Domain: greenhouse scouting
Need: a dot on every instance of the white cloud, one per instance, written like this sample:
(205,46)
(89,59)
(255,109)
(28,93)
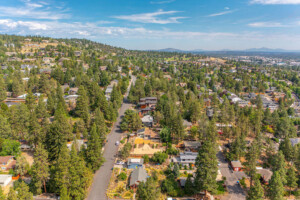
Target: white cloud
(151,17)
(282,2)
(162,2)
(221,13)
(266,25)
(226,8)
(30,10)
(10,24)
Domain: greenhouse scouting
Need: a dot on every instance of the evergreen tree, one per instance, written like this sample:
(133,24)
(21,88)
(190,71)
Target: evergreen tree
(256,191)
(23,191)
(34,130)
(12,195)
(148,190)
(40,169)
(94,150)
(2,89)
(51,103)
(100,123)
(64,193)
(56,137)
(30,101)
(41,109)
(2,196)
(5,129)
(60,177)
(207,167)
(21,166)
(189,186)
(291,178)
(252,156)
(82,105)
(176,170)
(178,128)
(60,98)
(287,149)
(17,87)
(276,188)
(80,176)
(279,165)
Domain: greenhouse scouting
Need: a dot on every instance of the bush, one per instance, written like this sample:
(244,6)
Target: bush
(159,157)
(122,176)
(242,182)
(126,150)
(146,158)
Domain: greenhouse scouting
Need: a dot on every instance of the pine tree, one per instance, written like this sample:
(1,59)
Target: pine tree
(100,123)
(178,128)
(23,192)
(148,190)
(5,129)
(276,188)
(21,166)
(252,156)
(60,98)
(40,169)
(56,137)
(17,87)
(60,175)
(51,103)
(189,186)
(30,101)
(279,166)
(291,178)
(176,170)
(80,176)
(64,193)
(2,196)
(82,105)
(287,149)
(256,191)
(94,150)
(41,109)
(44,86)
(207,167)
(34,130)
(12,195)
(2,89)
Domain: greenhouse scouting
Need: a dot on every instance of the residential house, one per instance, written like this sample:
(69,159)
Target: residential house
(137,176)
(79,143)
(77,53)
(265,174)
(236,165)
(5,179)
(187,124)
(73,91)
(295,141)
(191,145)
(148,134)
(133,163)
(7,163)
(185,158)
(108,92)
(147,120)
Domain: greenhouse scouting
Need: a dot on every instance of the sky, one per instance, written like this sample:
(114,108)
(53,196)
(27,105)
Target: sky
(158,24)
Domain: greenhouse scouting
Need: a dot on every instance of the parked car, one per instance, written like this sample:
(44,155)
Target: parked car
(117,143)
(119,162)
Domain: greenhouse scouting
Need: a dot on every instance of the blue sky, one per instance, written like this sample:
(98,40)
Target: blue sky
(156,24)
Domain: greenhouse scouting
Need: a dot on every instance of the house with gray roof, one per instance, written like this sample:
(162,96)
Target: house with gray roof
(137,176)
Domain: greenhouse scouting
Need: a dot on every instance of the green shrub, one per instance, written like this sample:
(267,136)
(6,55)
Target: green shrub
(122,176)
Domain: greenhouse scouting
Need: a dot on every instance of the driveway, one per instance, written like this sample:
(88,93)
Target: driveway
(234,189)
(102,176)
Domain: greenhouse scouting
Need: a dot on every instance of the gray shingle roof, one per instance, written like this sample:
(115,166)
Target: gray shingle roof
(138,175)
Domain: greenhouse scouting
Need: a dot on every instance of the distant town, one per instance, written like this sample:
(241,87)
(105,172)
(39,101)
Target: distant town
(83,120)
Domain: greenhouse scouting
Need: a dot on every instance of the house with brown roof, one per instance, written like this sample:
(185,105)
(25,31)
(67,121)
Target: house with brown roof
(236,165)
(7,163)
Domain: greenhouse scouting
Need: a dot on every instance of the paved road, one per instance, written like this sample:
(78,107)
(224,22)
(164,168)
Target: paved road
(102,176)
(234,189)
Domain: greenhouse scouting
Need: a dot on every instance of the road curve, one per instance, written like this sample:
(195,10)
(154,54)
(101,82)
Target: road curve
(102,176)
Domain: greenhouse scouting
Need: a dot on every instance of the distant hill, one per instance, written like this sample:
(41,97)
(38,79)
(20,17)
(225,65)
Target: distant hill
(263,49)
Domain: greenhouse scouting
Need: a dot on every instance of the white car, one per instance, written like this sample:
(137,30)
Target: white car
(117,143)
(120,162)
